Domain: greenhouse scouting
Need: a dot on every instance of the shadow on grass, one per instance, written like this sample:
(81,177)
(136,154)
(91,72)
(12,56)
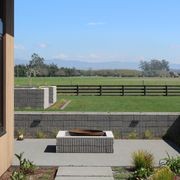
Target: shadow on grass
(50,149)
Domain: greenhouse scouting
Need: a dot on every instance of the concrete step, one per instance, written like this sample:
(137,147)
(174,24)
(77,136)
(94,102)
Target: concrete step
(84,178)
(84,173)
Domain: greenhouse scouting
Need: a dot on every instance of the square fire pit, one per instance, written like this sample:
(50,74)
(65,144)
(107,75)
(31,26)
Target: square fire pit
(66,143)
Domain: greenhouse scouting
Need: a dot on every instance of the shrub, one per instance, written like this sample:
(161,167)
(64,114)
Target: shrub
(132,135)
(163,173)
(172,162)
(26,166)
(17,175)
(54,133)
(117,134)
(148,134)
(143,159)
(141,173)
(40,135)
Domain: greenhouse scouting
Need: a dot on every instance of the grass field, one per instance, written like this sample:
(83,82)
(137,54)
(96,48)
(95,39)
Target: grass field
(39,81)
(120,104)
(110,103)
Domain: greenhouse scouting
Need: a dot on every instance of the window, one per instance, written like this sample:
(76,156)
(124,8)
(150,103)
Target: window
(1,70)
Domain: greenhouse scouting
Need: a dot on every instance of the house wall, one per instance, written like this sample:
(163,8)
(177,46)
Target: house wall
(6,140)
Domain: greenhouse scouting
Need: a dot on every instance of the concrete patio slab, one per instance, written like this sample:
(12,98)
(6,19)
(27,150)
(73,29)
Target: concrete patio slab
(42,152)
(88,173)
(85,171)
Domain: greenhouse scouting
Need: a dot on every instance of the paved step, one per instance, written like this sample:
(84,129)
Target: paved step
(84,173)
(84,178)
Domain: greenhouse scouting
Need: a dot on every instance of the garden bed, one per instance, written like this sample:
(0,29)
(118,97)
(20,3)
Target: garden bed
(41,173)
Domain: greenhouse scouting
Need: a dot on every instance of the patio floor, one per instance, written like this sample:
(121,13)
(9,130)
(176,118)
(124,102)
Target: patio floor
(42,153)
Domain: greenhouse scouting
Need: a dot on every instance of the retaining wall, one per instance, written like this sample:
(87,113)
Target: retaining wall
(52,93)
(41,97)
(31,97)
(123,123)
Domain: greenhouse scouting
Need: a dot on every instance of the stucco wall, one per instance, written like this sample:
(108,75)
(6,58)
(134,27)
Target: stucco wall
(7,140)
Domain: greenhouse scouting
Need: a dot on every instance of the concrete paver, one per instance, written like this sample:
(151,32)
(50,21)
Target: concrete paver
(84,178)
(88,173)
(85,171)
(34,149)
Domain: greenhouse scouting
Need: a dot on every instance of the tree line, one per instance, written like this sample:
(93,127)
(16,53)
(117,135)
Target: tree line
(155,68)
(37,67)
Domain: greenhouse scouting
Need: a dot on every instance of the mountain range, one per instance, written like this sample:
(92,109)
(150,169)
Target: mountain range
(96,65)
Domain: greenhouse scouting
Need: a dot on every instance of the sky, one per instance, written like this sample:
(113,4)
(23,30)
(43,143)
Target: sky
(98,30)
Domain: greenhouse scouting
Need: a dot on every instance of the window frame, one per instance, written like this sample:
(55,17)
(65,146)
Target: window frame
(2,124)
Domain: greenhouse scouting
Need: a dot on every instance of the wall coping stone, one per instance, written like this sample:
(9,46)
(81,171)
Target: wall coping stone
(97,113)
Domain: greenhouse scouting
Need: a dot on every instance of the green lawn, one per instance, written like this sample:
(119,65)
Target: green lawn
(94,80)
(120,104)
(109,103)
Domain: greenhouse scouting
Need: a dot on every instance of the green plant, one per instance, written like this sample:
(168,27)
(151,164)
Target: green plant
(117,134)
(132,135)
(163,173)
(143,159)
(141,173)
(40,135)
(17,175)
(121,173)
(26,166)
(172,162)
(54,133)
(20,134)
(148,134)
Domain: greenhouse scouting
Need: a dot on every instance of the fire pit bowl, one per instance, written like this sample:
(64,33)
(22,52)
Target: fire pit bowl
(86,132)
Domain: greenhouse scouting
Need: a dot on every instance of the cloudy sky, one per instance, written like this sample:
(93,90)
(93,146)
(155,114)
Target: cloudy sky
(98,30)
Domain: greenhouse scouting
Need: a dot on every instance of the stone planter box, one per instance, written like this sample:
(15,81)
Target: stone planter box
(65,143)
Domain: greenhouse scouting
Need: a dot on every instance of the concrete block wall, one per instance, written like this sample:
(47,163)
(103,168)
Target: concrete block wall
(31,97)
(52,93)
(42,97)
(124,123)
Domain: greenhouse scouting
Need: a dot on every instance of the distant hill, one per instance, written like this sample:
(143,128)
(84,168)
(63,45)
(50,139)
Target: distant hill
(175,66)
(89,65)
(176,70)
(95,65)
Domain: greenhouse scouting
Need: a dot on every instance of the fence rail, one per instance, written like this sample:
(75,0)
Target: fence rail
(119,90)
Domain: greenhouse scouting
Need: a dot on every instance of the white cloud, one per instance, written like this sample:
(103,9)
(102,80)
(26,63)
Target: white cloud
(19,47)
(61,56)
(43,45)
(94,56)
(95,23)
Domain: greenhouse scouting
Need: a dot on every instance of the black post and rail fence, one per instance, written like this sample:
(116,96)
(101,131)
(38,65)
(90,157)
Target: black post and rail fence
(119,90)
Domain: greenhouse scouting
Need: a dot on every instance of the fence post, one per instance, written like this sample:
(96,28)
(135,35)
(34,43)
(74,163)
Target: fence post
(77,90)
(166,87)
(144,90)
(122,90)
(100,89)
